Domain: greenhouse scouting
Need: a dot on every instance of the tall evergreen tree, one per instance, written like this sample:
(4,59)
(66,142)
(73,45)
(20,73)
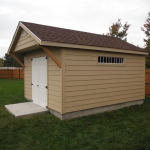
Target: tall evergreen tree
(118,30)
(9,61)
(146,30)
(1,62)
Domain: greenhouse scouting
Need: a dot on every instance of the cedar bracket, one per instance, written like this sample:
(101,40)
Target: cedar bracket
(15,57)
(47,51)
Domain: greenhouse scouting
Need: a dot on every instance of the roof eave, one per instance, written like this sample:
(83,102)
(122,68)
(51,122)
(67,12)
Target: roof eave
(47,43)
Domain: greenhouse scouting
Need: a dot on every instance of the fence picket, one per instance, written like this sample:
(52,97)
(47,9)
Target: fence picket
(12,73)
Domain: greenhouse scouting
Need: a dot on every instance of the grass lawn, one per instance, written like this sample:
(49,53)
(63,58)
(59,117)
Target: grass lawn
(125,129)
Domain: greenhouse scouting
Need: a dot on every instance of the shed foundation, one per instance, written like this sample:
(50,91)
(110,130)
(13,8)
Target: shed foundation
(94,110)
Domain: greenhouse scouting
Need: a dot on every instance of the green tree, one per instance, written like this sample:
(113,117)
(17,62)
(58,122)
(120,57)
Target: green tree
(118,30)
(146,30)
(1,62)
(9,61)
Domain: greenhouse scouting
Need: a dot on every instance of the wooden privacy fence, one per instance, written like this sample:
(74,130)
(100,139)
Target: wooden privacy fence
(12,73)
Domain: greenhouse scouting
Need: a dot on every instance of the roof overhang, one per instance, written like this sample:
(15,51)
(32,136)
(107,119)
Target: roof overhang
(47,43)
(56,44)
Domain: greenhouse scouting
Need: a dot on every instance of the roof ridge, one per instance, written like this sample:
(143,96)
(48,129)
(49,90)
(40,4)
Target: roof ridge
(69,29)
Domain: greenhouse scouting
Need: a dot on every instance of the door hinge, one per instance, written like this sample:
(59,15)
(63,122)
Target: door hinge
(46,57)
(31,83)
(46,87)
(31,59)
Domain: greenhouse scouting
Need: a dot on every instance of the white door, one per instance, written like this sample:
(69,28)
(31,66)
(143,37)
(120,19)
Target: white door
(35,82)
(42,81)
(39,81)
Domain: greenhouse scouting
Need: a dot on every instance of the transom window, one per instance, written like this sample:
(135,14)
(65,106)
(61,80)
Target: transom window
(110,60)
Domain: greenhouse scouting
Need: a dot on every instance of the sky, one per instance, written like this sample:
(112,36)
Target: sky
(95,16)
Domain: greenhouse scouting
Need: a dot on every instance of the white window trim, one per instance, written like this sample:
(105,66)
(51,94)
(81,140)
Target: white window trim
(108,60)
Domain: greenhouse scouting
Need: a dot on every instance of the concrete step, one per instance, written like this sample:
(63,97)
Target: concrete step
(25,109)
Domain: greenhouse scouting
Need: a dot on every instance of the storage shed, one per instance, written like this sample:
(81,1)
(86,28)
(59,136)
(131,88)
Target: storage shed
(75,73)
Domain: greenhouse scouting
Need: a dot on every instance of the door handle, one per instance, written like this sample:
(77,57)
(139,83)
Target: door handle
(37,85)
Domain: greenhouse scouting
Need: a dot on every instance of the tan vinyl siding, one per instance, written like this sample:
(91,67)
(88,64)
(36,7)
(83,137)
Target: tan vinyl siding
(55,83)
(54,78)
(27,77)
(24,41)
(89,84)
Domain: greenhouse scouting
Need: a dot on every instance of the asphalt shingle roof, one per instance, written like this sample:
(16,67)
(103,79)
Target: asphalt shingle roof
(55,34)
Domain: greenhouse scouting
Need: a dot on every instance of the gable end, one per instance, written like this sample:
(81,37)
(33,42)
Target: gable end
(24,41)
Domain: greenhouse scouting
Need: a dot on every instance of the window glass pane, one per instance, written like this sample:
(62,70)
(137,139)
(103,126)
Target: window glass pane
(112,59)
(118,60)
(102,59)
(105,60)
(115,60)
(99,59)
(122,60)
